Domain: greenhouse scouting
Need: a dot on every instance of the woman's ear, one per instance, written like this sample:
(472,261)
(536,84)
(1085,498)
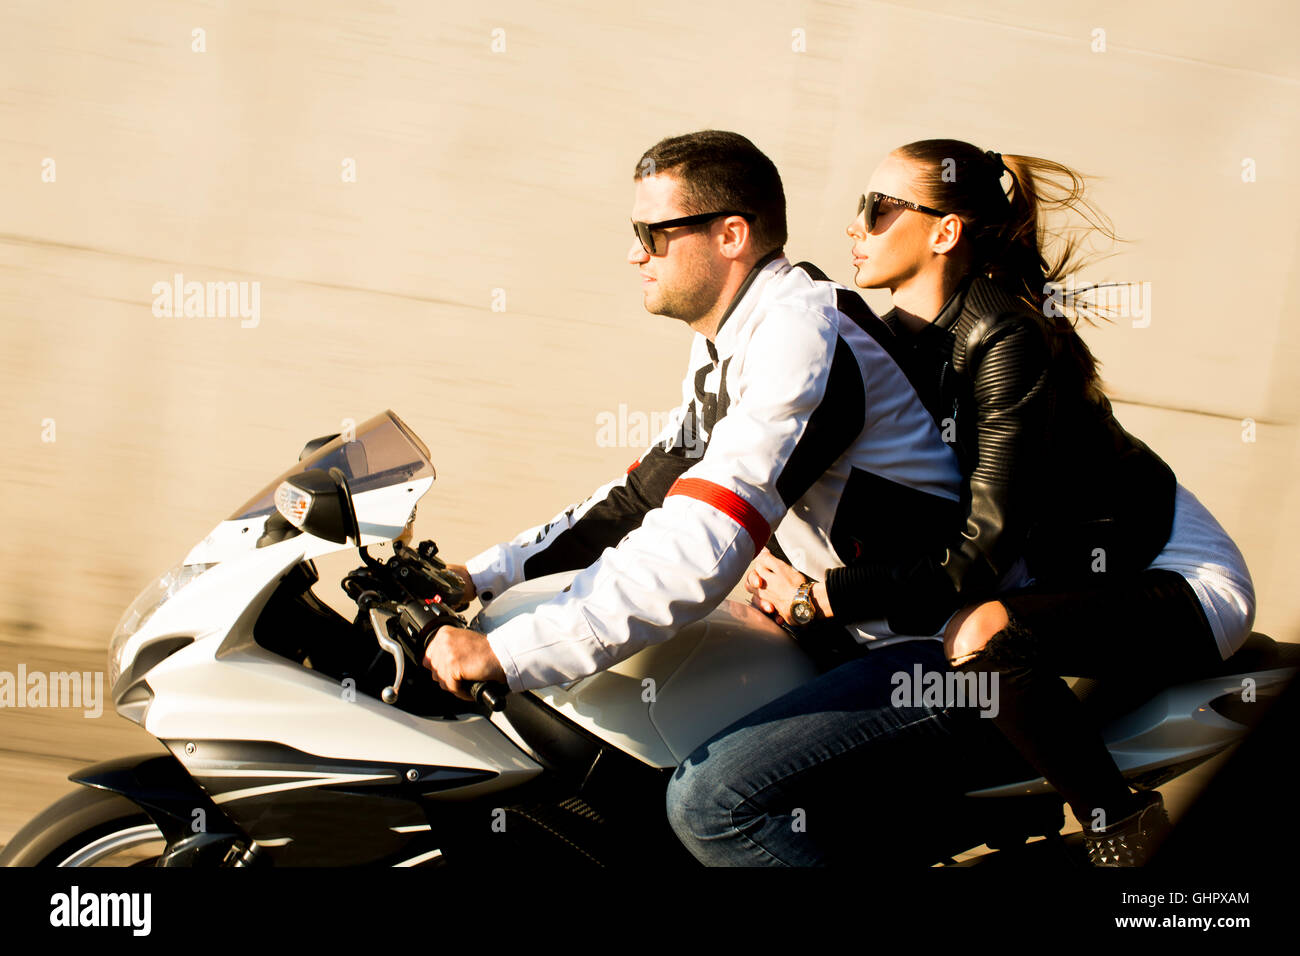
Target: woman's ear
(947,232)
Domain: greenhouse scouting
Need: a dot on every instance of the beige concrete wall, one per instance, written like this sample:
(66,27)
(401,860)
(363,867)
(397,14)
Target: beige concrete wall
(480,170)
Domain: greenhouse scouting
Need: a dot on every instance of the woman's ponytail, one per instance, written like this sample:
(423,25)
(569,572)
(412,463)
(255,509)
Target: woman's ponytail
(1003,202)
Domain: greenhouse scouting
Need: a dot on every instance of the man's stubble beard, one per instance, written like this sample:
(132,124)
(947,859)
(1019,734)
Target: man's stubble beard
(693,295)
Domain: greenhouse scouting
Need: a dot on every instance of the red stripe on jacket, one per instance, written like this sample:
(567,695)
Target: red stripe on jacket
(729,503)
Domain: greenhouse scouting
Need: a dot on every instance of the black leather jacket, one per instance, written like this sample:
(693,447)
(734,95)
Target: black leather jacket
(1052,477)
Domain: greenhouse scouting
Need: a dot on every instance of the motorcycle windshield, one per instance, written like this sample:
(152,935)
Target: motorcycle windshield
(383,452)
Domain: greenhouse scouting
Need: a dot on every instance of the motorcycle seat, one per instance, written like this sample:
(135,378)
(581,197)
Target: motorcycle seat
(1108,699)
(1259,653)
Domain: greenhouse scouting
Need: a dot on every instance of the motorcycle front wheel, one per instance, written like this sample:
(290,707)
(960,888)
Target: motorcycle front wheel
(88,827)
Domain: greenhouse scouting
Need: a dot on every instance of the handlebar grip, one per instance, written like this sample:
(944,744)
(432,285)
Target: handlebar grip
(490,694)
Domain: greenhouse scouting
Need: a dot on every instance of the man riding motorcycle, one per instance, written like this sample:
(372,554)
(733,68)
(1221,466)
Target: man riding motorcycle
(795,422)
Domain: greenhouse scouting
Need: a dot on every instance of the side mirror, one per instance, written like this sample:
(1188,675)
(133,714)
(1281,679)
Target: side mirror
(315,443)
(320,503)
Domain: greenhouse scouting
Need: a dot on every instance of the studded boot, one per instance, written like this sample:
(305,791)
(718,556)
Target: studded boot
(1131,840)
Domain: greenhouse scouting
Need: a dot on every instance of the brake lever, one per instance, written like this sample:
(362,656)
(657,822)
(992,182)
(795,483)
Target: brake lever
(379,619)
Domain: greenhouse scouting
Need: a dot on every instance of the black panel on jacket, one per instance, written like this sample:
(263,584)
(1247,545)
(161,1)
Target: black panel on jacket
(882,520)
(832,428)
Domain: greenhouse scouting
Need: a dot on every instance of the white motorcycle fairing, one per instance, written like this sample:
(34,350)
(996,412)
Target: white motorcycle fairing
(662,702)
(221,685)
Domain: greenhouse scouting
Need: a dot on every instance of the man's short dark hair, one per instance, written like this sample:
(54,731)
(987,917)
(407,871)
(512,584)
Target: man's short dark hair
(721,170)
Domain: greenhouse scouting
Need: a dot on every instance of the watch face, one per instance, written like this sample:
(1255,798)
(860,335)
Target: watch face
(801,611)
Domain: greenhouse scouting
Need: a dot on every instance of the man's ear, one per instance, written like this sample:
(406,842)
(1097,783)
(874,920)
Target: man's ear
(737,237)
(947,231)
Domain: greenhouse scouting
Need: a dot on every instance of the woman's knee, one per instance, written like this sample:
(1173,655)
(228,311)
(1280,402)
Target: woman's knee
(971,628)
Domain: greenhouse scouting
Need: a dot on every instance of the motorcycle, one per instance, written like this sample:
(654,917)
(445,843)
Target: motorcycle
(298,737)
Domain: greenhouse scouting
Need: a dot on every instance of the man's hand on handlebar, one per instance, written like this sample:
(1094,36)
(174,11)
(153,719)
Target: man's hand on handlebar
(460,572)
(459,658)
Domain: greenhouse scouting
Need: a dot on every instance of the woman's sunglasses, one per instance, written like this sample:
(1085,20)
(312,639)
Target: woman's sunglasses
(645,230)
(871,203)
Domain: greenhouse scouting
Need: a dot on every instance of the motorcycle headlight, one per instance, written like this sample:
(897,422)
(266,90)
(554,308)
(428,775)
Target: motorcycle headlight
(146,603)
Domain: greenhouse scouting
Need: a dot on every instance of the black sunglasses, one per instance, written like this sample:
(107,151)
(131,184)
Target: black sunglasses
(871,203)
(645,230)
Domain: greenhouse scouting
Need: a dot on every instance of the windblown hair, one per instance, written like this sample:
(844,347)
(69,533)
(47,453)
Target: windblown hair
(1010,242)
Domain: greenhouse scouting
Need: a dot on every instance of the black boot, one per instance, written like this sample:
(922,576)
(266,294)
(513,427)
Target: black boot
(1132,840)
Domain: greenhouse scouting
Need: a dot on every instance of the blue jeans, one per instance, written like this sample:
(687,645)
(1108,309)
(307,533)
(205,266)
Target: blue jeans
(833,772)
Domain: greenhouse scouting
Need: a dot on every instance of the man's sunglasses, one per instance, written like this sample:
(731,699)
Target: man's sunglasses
(871,203)
(645,230)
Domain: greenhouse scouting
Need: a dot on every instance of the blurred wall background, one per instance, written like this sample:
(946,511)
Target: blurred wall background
(492,148)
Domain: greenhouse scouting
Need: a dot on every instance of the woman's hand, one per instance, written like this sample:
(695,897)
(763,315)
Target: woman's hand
(470,592)
(771,584)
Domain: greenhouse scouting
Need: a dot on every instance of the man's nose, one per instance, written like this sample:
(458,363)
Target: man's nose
(637,254)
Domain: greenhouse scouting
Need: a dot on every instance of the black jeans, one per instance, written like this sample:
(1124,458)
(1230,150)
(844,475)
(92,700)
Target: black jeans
(1144,631)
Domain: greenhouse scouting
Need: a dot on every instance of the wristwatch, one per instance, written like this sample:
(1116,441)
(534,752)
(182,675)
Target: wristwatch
(802,609)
